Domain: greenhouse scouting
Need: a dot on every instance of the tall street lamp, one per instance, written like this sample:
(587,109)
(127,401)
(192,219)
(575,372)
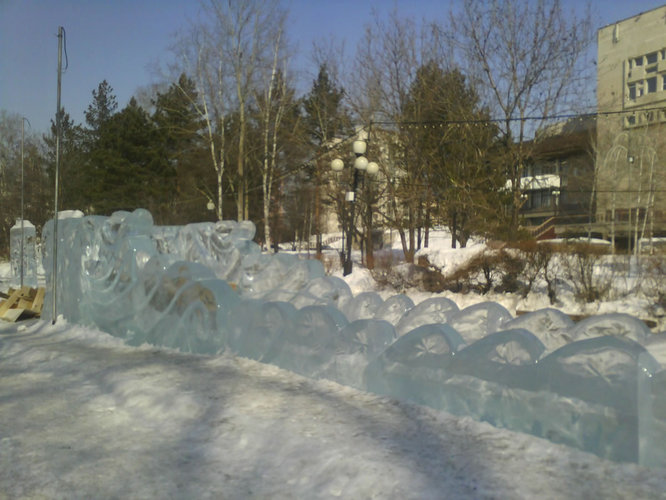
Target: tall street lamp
(361,166)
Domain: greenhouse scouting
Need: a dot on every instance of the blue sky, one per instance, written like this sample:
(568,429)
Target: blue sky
(121,40)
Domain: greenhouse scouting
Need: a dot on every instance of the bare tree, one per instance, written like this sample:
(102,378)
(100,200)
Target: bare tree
(527,54)
(196,55)
(246,32)
(224,51)
(21,150)
(272,105)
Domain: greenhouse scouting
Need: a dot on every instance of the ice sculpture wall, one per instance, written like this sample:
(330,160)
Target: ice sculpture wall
(207,288)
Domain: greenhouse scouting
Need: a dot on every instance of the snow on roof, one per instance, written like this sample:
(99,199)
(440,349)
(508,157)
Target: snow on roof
(537,182)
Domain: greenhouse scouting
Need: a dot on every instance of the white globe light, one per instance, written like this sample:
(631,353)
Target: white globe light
(210,206)
(361,163)
(359,147)
(337,165)
(372,168)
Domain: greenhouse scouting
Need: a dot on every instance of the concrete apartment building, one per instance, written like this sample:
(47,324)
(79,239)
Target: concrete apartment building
(631,128)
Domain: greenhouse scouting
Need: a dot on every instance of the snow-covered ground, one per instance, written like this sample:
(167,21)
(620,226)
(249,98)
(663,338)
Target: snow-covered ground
(82,415)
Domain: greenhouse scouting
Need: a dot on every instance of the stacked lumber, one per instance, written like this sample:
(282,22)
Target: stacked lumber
(22,303)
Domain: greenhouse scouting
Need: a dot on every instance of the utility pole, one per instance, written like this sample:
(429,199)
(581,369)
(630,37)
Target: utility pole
(54,289)
(22,214)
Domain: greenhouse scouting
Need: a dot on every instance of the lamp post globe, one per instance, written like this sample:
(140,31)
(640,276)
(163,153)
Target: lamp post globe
(337,165)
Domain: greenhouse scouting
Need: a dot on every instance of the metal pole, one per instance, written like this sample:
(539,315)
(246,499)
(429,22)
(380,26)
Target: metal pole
(22,215)
(54,288)
(352,196)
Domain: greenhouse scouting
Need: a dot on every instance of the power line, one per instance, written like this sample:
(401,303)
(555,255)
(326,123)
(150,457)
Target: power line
(481,121)
(564,116)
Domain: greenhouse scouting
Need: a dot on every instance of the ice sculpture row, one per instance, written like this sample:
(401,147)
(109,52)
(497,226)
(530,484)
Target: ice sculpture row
(207,288)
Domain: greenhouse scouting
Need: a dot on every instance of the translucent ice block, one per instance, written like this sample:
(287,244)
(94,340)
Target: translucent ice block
(430,311)
(550,325)
(614,324)
(394,308)
(477,321)
(362,306)
(23,253)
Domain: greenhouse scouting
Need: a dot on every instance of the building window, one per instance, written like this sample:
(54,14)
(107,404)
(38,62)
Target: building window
(652,85)
(648,80)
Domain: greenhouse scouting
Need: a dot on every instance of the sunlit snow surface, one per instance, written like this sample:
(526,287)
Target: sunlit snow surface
(206,288)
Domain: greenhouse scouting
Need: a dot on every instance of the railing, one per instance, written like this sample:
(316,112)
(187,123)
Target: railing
(542,229)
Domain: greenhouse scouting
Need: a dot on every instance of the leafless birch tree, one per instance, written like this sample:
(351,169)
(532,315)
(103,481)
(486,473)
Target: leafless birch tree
(247,31)
(272,105)
(196,55)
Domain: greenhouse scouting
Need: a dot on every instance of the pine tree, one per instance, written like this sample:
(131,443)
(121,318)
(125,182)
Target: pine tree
(132,171)
(72,182)
(325,119)
(447,152)
(179,128)
(102,108)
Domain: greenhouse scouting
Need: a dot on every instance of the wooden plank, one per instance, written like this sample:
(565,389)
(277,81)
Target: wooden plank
(24,303)
(12,314)
(29,293)
(38,303)
(11,301)
(16,314)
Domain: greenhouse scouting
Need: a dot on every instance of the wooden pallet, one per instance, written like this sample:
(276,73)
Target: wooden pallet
(22,303)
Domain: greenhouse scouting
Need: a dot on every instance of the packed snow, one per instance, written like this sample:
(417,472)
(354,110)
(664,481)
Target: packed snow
(82,415)
(85,415)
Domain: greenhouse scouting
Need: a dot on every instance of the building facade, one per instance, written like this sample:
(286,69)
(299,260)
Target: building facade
(631,128)
(558,180)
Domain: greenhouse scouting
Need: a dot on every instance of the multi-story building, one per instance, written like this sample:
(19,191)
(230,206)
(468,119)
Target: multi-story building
(631,128)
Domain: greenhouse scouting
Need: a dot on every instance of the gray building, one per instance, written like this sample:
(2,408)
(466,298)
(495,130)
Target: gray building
(631,128)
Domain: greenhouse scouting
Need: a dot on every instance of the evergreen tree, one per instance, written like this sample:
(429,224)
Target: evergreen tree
(447,143)
(102,108)
(73,182)
(325,116)
(98,115)
(325,119)
(132,171)
(179,128)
